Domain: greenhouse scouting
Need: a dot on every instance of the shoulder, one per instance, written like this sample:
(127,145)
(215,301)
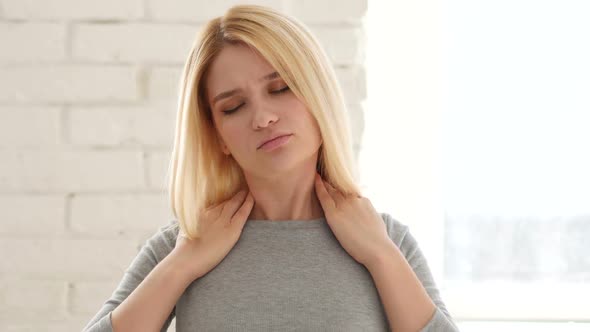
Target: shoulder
(399,233)
(161,243)
(395,228)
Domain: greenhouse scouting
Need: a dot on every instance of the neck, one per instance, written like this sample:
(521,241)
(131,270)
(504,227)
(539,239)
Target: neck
(288,198)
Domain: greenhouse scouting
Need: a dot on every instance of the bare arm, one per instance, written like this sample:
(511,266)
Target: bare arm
(405,300)
(155,251)
(406,286)
(150,304)
(166,265)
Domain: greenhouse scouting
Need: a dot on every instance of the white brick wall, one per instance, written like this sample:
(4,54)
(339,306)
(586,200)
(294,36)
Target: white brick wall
(87,105)
(68,83)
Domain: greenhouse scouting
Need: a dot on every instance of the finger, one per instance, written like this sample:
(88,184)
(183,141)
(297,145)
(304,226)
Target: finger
(337,194)
(219,206)
(232,205)
(240,217)
(323,195)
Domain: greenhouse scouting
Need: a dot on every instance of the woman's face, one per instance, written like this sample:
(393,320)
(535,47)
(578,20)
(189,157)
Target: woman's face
(250,103)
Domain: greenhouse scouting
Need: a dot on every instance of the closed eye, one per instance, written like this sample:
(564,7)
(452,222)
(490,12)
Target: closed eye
(230,111)
(281,90)
(275,92)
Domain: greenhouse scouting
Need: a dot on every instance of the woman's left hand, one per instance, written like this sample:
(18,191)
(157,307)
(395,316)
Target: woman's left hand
(354,221)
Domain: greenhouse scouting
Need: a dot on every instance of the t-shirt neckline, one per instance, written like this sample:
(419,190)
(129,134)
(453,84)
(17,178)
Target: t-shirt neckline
(317,222)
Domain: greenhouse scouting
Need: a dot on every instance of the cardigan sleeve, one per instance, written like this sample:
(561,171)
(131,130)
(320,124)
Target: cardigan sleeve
(441,320)
(151,253)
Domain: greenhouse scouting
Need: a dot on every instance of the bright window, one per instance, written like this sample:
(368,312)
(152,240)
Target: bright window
(477,136)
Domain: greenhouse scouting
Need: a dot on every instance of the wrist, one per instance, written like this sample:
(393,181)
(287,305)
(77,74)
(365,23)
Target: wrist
(388,252)
(181,266)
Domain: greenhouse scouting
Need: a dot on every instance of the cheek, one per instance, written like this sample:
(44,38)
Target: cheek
(233,134)
(302,115)
(310,124)
(297,109)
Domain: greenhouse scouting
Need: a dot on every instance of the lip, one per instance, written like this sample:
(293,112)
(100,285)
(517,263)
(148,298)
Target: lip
(276,143)
(270,139)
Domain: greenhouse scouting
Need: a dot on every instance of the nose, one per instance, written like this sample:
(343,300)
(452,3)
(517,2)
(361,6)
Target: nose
(263,116)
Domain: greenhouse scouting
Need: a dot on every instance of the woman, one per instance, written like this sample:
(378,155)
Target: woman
(272,231)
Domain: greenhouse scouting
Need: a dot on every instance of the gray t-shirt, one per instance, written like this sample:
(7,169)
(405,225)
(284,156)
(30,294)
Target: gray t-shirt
(281,275)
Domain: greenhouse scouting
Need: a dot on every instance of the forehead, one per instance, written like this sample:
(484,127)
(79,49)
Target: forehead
(233,66)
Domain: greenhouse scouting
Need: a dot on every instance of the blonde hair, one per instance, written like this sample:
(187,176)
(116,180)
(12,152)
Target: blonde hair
(199,174)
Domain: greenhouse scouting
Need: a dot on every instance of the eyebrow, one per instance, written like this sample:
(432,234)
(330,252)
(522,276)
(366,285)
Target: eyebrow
(229,93)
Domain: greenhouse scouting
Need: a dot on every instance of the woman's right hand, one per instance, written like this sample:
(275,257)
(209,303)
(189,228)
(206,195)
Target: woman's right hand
(221,227)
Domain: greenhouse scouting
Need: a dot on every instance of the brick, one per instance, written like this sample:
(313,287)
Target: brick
(65,171)
(164,83)
(46,324)
(22,127)
(357,123)
(196,11)
(78,322)
(328,11)
(66,258)
(135,42)
(68,83)
(33,296)
(25,42)
(26,321)
(157,167)
(72,9)
(120,126)
(47,217)
(87,297)
(352,82)
(343,45)
(122,214)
